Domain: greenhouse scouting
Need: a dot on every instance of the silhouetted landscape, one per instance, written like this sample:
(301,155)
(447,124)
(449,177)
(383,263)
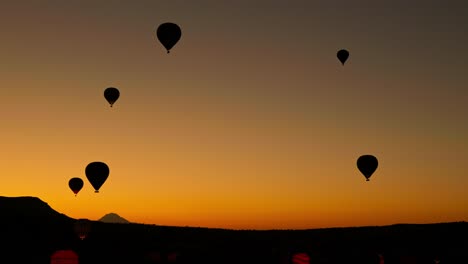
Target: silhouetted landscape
(34,231)
(276,132)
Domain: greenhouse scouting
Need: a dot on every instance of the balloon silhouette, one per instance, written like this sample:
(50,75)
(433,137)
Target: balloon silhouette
(342,56)
(75,184)
(168,34)
(82,228)
(111,94)
(97,173)
(367,164)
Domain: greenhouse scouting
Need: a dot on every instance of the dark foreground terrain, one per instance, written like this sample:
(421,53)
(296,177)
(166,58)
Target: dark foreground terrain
(32,232)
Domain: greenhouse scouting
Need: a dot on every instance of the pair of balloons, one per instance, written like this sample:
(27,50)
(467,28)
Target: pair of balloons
(168,34)
(96,172)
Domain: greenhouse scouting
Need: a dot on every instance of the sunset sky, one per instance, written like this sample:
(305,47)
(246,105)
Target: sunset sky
(251,122)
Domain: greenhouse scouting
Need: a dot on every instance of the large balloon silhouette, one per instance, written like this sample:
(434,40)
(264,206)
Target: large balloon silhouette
(75,184)
(367,164)
(342,56)
(168,34)
(111,94)
(97,173)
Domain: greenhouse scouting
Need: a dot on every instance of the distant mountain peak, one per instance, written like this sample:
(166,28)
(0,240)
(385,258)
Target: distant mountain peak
(113,218)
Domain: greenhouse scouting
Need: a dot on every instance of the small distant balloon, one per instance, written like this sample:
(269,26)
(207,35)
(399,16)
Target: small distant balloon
(75,184)
(342,56)
(367,164)
(111,94)
(82,228)
(97,173)
(168,34)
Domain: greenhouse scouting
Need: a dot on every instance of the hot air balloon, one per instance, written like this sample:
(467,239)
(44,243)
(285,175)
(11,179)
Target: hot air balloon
(97,173)
(300,258)
(342,56)
(172,257)
(408,259)
(75,184)
(381,259)
(111,94)
(154,256)
(82,228)
(64,257)
(168,34)
(367,164)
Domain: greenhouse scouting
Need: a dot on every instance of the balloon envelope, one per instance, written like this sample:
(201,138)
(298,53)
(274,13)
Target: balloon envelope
(301,258)
(75,184)
(64,257)
(111,94)
(172,257)
(97,173)
(342,56)
(82,228)
(168,34)
(381,259)
(367,164)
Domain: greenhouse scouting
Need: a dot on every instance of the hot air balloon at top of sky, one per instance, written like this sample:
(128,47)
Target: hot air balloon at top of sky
(367,164)
(111,94)
(97,173)
(75,184)
(342,56)
(168,34)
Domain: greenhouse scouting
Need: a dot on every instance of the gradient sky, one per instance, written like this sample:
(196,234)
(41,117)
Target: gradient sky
(250,122)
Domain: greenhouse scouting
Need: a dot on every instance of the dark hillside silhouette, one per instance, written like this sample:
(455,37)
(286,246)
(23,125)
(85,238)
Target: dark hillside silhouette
(28,207)
(31,225)
(34,231)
